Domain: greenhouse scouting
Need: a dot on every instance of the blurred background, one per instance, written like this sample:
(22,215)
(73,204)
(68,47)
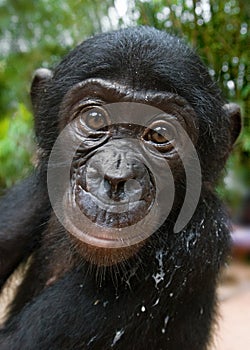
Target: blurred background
(37,34)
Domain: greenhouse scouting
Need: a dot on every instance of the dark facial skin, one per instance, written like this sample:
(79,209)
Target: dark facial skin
(98,135)
(81,289)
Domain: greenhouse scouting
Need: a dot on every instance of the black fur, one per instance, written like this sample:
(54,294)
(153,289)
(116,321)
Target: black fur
(66,302)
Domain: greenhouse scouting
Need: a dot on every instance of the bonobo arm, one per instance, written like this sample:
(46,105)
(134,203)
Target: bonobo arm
(23,213)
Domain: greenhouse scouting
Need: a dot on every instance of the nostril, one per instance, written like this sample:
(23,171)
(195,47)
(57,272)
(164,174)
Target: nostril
(115,180)
(107,184)
(114,187)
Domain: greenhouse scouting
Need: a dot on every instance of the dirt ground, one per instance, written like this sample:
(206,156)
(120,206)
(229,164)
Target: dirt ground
(234,293)
(233,331)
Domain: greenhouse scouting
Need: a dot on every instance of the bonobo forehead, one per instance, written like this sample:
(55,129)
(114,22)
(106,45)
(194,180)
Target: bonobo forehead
(140,57)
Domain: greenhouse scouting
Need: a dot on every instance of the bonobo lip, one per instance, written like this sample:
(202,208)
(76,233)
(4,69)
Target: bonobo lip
(104,235)
(112,214)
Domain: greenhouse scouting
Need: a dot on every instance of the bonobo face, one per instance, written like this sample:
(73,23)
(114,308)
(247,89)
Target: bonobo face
(124,154)
(133,127)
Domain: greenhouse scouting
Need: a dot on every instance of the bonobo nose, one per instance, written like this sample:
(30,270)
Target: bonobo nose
(116,178)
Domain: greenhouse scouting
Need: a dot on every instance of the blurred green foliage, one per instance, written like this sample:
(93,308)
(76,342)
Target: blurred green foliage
(16,145)
(39,33)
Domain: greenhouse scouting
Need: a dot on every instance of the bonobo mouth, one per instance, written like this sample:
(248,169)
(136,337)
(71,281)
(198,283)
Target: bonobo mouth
(113,201)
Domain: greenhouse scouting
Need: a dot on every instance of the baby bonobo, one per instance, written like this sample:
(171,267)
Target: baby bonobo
(124,234)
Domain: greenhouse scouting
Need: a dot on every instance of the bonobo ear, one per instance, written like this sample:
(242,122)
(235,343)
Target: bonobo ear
(233,111)
(40,78)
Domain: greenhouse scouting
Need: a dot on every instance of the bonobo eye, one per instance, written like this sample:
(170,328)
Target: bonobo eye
(95,119)
(160,135)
